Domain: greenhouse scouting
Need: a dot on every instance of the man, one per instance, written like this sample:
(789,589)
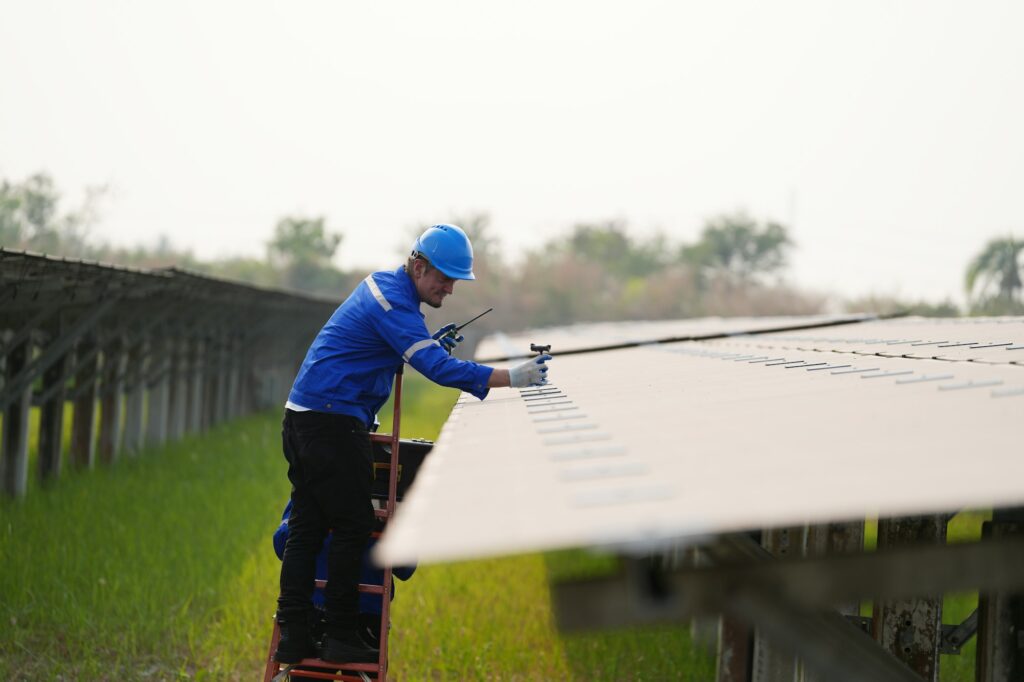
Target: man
(345,379)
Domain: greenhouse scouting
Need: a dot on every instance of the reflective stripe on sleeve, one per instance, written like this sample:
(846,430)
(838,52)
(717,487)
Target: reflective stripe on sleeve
(418,346)
(375,290)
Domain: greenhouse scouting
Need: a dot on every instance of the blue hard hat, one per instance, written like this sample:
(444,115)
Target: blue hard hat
(448,249)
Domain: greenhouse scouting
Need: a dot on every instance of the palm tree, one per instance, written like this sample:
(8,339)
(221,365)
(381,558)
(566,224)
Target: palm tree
(999,263)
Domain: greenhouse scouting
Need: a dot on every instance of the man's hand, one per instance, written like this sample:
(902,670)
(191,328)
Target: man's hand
(448,337)
(533,372)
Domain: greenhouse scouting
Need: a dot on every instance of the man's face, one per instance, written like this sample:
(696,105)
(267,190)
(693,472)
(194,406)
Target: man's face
(432,286)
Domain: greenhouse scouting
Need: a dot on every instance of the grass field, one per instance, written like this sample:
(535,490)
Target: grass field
(161,568)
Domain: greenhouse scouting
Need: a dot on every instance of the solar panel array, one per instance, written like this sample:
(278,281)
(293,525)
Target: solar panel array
(673,443)
(166,352)
(584,336)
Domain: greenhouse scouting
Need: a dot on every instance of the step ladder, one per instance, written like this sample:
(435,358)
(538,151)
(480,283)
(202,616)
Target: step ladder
(319,669)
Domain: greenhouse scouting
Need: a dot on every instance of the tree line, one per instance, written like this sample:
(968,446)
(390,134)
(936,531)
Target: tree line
(593,272)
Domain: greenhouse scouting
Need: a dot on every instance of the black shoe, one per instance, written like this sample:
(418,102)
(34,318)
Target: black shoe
(348,648)
(369,629)
(295,643)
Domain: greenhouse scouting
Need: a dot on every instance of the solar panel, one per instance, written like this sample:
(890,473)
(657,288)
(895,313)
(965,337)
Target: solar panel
(582,336)
(677,442)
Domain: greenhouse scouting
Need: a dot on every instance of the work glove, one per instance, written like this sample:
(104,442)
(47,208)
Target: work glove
(448,337)
(533,372)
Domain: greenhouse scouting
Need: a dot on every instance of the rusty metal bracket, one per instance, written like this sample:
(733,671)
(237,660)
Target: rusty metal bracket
(955,636)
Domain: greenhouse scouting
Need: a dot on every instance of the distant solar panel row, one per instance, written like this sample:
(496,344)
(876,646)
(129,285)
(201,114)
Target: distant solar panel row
(172,352)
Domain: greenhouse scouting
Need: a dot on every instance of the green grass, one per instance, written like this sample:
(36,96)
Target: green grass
(158,565)
(492,619)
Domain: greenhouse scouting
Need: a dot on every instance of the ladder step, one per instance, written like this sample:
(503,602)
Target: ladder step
(332,666)
(363,587)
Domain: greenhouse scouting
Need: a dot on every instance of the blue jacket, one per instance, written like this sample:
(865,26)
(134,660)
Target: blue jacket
(369,575)
(351,365)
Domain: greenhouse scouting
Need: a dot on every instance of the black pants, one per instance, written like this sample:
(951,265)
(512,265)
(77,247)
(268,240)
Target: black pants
(330,466)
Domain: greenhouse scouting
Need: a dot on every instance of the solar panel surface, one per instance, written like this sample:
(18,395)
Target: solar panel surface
(680,441)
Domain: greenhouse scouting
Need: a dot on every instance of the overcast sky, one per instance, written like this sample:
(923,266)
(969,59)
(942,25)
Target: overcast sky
(888,135)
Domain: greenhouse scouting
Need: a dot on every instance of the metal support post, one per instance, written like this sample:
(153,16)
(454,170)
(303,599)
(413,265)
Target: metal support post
(135,397)
(1000,656)
(83,420)
(837,538)
(223,377)
(210,372)
(735,656)
(157,393)
(195,387)
(250,401)
(832,539)
(177,379)
(14,453)
(223,373)
(911,629)
(234,364)
(770,663)
(735,651)
(183,378)
(111,392)
(51,420)
(242,365)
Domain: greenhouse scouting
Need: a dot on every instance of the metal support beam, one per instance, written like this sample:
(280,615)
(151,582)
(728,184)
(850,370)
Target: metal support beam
(211,375)
(25,331)
(830,647)
(111,392)
(194,424)
(818,582)
(223,400)
(911,629)
(218,378)
(247,394)
(51,420)
(770,663)
(837,539)
(157,398)
(176,351)
(735,655)
(1000,652)
(54,352)
(224,377)
(955,636)
(234,366)
(14,450)
(135,397)
(83,420)
(810,585)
